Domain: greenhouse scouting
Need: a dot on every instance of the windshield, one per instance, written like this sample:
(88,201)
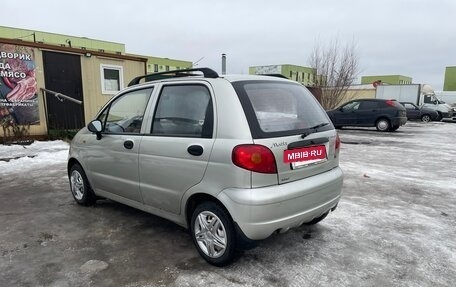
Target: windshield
(278,108)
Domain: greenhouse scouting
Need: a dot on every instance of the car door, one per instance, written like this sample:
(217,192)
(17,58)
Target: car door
(367,113)
(113,159)
(413,112)
(346,115)
(174,156)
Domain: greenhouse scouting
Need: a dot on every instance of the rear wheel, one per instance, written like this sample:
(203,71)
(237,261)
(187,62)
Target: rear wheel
(426,118)
(80,188)
(394,128)
(382,125)
(213,233)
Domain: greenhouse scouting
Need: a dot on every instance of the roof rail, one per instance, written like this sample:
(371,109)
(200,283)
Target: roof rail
(275,75)
(207,73)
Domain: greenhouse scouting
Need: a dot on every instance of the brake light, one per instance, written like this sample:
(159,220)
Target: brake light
(390,103)
(337,143)
(253,157)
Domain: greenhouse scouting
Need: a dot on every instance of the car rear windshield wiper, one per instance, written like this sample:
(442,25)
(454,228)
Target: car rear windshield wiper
(313,129)
(318,126)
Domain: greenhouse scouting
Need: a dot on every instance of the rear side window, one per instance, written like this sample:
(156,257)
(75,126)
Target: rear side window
(367,105)
(279,109)
(184,111)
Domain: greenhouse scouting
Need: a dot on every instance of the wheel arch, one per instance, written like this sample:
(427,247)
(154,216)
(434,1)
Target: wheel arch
(195,199)
(72,161)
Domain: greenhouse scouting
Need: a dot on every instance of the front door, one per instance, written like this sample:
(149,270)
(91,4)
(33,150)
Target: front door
(113,161)
(346,115)
(174,156)
(62,74)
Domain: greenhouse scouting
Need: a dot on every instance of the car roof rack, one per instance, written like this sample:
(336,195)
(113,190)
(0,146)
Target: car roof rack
(275,75)
(207,73)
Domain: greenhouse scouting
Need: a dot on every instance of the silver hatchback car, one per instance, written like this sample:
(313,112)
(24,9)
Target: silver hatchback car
(232,158)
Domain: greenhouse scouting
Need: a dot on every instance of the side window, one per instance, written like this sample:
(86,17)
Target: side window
(350,107)
(368,105)
(409,106)
(125,114)
(428,99)
(184,111)
(111,79)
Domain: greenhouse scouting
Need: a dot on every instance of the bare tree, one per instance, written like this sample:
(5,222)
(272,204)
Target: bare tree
(336,69)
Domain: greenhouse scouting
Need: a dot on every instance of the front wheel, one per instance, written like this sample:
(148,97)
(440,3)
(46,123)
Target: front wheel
(425,118)
(440,116)
(80,188)
(382,125)
(213,233)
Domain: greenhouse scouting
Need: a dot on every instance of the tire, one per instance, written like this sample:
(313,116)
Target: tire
(318,219)
(383,125)
(394,128)
(80,187)
(440,117)
(426,118)
(211,224)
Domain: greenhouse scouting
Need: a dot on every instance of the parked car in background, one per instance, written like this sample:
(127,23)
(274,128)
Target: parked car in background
(385,115)
(232,158)
(420,113)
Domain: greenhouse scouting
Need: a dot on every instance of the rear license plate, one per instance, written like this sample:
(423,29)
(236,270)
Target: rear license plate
(300,157)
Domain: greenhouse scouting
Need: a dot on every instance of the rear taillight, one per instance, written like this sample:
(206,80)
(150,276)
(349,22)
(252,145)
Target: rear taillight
(337,145)
(253,157)
(390,103)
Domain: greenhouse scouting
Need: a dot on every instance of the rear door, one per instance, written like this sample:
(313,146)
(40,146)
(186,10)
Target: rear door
(368,112)
(175,152)
(287,119)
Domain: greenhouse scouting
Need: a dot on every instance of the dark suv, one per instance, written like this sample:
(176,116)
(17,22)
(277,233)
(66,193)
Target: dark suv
(385,115)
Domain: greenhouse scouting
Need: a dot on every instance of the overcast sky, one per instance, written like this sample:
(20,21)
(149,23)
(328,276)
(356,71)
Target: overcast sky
(415,38)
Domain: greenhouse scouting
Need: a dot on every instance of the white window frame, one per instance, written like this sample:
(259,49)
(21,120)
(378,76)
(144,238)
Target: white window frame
(121,81)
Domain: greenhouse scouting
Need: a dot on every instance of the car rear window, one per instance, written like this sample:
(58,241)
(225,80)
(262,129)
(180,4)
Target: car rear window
(279,108)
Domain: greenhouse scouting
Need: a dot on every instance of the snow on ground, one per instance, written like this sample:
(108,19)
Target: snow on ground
(40,154)
(394,226)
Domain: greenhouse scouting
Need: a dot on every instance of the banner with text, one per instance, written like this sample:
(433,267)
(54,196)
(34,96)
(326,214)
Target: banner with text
(18,90)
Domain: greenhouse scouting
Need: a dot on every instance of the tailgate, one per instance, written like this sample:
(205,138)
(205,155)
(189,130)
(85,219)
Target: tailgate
(298,158)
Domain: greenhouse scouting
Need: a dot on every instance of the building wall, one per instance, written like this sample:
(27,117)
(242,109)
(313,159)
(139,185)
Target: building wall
(450,79)
(390,79)
(359,92)
(91,73)
(155,64)
(61,40)
(94,99)
(303,75)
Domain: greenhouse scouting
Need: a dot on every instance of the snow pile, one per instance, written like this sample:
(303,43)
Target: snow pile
(39,154)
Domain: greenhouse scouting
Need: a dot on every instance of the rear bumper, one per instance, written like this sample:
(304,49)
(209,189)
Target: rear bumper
(398,121)
(259,212)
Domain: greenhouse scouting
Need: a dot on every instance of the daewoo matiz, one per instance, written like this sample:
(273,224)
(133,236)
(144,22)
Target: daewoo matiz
(232,158)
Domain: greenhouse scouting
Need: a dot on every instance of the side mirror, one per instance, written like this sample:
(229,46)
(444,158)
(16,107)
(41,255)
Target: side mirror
(95,127)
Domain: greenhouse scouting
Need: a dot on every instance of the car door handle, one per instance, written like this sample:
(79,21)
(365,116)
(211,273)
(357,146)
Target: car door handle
(128,144)
(195,150)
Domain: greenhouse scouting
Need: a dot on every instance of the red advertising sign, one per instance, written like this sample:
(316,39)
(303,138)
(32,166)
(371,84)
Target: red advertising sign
(305,154)
(18,90)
